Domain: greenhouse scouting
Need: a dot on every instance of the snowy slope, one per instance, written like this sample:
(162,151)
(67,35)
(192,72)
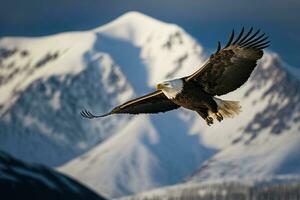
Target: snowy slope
(100,68)
(140,157)
(147,146)
(45,83)
(265,93)
(263,140)
(19,180)
(258,151)
(90,72)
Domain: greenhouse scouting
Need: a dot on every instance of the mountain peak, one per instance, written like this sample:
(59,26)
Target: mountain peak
(134,15)
(134,18)
(133,26)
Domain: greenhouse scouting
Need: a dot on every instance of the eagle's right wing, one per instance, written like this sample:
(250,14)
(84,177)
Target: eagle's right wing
(230,67)
(154,102)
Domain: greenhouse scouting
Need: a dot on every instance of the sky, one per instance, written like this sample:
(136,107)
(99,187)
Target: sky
(206,20)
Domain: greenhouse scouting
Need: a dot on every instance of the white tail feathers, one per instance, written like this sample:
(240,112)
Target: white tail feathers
(228,108)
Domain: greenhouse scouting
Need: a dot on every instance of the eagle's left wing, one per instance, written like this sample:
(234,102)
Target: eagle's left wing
(230,67)
(154,102)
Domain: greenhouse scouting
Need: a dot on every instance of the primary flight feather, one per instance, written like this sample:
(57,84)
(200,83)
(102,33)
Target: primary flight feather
(224,71)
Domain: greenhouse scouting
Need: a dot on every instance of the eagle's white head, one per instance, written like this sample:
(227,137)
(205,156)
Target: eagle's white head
(171,88)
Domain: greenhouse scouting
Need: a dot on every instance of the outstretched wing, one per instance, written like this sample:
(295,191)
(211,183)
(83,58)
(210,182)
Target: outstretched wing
(230,67)
(154,102)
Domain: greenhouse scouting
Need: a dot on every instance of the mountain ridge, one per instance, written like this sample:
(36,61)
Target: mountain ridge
(22,180)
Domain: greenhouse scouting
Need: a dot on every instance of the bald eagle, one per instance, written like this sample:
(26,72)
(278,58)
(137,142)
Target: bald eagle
(225,71)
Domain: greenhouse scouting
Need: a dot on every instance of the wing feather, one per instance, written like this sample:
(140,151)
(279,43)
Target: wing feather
(154,102)
(246,36)
(219,47)
(239,37)
(230,67)
(250,38)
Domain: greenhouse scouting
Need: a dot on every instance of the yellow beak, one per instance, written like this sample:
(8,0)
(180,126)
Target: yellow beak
(159,86)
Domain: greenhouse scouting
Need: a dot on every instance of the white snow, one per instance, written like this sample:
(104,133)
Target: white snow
(137,153)
(147,43)
(218,137)
(69,47)
(38,104)
(132,26)
(121,155)
(141,52)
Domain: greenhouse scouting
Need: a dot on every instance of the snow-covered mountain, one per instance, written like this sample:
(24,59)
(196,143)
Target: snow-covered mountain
(19,180)
(97,70)
(263,140)
(46,82)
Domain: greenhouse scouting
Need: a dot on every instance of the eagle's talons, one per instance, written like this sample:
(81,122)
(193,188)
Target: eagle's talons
(209,120)
(219,116)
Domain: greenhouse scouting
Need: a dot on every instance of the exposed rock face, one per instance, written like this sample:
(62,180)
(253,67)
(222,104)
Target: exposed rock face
(19,180)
